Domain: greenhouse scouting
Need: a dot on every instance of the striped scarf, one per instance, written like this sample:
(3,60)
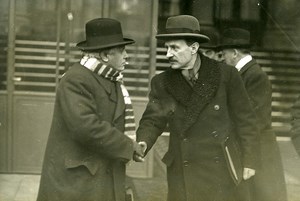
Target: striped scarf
(110,73)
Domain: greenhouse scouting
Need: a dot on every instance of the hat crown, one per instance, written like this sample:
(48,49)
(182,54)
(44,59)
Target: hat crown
(183,22)
(237,33)
(235,37)
(182,26)
(214,37)
(102,27)
(103,33)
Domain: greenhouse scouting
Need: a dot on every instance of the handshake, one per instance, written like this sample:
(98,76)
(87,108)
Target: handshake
(139,149)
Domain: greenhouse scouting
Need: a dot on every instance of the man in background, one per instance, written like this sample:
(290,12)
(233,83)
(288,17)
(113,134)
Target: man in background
(211,48)
(268,184)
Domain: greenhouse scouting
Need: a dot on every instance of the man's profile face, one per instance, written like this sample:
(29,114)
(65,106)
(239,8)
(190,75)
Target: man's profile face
(179,53)
(212,54)
(117,58)
(229,56)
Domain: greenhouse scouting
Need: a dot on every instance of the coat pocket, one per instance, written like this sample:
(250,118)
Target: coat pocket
(233,159)
(90,165)
(168,159)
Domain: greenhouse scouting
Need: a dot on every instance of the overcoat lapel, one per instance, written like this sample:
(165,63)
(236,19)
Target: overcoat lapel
(247,66)
(120,109)
(195,98)
(114,92)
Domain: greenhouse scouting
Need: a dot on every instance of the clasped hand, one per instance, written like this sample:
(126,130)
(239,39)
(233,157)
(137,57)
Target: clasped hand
(139,151)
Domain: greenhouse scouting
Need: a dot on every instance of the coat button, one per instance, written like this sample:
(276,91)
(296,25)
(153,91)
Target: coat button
(216,107)
(185,163)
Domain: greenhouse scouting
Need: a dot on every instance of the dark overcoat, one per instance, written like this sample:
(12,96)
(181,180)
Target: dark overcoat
(200,119)
(295,129)
(86,150)
(269,182)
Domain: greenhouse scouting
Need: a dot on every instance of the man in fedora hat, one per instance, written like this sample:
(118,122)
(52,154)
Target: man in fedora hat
(90,140)
(211,48)
(212,136)
(268,183)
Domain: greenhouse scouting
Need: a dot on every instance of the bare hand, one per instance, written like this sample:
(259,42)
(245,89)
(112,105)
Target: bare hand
(138,158)
(144,145)
(248,173)
(138,155)
(138,152)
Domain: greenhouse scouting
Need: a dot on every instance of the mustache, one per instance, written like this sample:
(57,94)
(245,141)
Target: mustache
(172,60)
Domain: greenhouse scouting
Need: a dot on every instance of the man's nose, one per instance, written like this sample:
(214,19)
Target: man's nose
(169,54)
(125,54)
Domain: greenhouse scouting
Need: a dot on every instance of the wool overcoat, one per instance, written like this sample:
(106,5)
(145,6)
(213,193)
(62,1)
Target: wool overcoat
(269,182)
(200,119)
(86,150)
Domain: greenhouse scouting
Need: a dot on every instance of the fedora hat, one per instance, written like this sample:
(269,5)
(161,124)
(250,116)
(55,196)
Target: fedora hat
(214,37)
(103,33)
(182,26)
(235,38)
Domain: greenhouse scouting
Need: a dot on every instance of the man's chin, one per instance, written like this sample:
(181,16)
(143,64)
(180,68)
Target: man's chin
(173,66)
(122,68)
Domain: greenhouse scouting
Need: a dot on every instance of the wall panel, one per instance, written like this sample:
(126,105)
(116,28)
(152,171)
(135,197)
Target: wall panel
(32,119)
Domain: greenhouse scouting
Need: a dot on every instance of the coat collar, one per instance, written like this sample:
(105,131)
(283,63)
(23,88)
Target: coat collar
(195,98)
(247,66)
(114,92)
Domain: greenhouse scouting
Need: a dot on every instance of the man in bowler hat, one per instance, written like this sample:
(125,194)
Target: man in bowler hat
(213,136)
(211,48)
(90,140)
(268,184)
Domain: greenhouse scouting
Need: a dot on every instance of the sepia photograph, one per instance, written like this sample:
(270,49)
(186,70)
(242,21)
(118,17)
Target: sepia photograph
(149,100)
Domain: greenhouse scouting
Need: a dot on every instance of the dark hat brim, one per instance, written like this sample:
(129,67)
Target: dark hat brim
(208,46)
(198,37)
(83,45)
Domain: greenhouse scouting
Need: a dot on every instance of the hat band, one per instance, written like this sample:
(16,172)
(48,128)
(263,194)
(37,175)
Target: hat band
(104,40)
(180,30)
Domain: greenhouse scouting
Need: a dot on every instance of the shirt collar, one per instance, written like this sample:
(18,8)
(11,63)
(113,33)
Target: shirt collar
(243,62)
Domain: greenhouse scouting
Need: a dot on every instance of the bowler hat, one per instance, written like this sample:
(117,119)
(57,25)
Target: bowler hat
(103,33)
(182,26)
(214,37)
(235,38)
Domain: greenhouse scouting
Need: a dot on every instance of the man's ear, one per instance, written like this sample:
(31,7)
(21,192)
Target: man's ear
(103,56)
(235,53)
(195,47)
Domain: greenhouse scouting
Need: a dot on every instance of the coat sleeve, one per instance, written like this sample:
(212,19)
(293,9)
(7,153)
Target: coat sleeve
(154,119)
(259,90)
(75,97)
(295,129)
(244,119)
